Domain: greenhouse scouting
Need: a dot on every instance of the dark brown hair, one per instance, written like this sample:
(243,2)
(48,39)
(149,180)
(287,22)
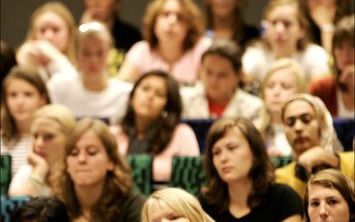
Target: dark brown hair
(159,132)
(261,172)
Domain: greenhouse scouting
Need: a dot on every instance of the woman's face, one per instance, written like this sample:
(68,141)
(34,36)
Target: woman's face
(92,56)
(344,54)
(51,27)
(100,9)
(222,8)
(327,205)
(279,86)
(283,30)
(150,98)
(22,99)
(48,139)
(232,156)
(163,213)
(88,162)
(171,23)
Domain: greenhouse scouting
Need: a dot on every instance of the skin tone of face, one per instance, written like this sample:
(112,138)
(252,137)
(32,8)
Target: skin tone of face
(100,10)
(232,156)
(327,205)
(88,162)
(92,56)
(344,59)
(22,99)
(219,78)
(222,8)
(149,99)
(301,126)
(171,26)
(283,30)
(48,139)
(161,212)
(51,27)
(279,86)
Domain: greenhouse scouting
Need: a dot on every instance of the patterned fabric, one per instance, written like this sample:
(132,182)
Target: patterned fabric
(141,166)
(9,204)
(188,173)
(5,173)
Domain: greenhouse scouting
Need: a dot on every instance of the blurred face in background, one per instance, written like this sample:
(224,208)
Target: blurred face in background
(345,62)
(222,8)
(22,99)
(278,87)
(150,98)
(92,55)
(100,10)
(170,25)
(219,77)
(51,27)
(283,30)
(48,139)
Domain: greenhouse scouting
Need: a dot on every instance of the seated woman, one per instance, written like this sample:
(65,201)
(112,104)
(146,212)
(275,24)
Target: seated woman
(41,209)
(22,93)
(152,124)
(285,36)
(219,93)
(50,43)
(92,93)
(173,204)
(330,196)
(284,78)
(50,127)
(240,183)
(309,130)
(338,91)
(174,42)
(95,180)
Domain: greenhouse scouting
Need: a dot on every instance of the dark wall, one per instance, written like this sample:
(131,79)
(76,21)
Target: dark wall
(15,14)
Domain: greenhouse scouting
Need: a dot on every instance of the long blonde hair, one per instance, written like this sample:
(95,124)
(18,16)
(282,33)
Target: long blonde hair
(180,201)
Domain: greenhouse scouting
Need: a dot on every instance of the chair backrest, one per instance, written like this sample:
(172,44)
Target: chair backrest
(5,173)
(345,129)
(188,173)
(200,127)
(9,204)
(141,165)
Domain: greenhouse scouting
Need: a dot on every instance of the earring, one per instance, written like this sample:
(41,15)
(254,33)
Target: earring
(164,114)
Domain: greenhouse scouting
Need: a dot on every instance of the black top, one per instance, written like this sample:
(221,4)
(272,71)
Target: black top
(124,34)
(281,203)
(247,34)
(131,208)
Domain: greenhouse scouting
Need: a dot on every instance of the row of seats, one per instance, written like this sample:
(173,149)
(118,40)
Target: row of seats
(345,129)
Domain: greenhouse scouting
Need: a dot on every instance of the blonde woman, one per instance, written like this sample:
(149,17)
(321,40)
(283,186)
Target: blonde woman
(284,78)
(173,204)
(50,127)
(49,46)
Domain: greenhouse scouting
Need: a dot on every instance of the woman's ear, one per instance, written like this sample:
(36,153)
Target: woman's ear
(42,100)
(110,166)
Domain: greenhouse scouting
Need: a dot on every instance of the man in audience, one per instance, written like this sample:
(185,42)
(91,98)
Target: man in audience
(310,132)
